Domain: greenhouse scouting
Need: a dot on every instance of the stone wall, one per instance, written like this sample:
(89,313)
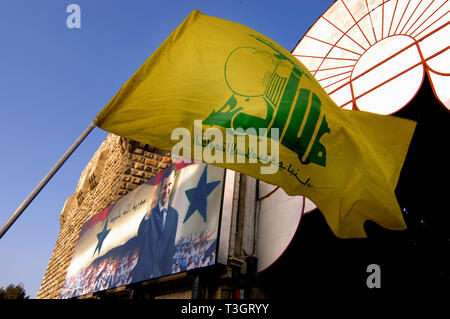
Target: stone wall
(118,167)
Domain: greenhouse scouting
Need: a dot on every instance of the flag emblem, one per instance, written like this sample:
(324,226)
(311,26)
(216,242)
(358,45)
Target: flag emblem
(273,85)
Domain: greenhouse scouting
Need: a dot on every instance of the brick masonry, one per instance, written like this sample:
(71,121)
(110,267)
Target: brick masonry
(118,167)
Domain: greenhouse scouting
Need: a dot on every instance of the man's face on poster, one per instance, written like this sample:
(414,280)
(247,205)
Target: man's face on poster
(166,188)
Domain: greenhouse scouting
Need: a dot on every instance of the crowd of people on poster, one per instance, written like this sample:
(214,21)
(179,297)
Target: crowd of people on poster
(190,252)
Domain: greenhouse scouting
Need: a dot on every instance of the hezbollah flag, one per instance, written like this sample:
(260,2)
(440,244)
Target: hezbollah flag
(233,79)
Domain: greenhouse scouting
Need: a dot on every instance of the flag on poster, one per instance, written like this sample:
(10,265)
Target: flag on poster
(231,77)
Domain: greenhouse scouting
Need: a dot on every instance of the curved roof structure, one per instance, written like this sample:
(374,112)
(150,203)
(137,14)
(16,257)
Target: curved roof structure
(372,55)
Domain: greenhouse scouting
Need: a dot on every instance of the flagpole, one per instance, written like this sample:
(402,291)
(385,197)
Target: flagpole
(46,178)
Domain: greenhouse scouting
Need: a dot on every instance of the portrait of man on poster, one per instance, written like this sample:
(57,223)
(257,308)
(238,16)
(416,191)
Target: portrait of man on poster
(157,232)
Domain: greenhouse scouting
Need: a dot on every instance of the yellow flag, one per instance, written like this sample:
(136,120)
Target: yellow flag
(226,76)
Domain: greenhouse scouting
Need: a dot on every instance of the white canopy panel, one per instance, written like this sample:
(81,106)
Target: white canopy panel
(372,54)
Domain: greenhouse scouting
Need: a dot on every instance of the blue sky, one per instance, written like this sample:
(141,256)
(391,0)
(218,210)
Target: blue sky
(54,80)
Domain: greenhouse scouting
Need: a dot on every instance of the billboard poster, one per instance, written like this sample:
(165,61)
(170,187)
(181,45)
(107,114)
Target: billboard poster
(168,225)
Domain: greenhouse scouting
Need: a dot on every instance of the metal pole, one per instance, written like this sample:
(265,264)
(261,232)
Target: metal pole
(195,287)
(45,180)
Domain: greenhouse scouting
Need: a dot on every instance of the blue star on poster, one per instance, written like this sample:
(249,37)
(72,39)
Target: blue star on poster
(101,237)
(197,196)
